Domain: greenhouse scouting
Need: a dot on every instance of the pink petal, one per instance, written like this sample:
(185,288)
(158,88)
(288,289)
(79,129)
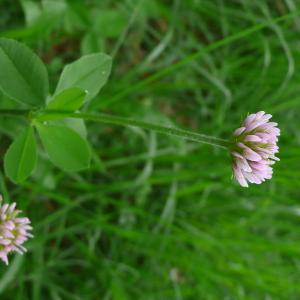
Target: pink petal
(240,177)
(249,153)
(252,138)
(238,131)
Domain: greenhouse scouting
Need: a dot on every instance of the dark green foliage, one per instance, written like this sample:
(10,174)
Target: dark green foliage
(157,218)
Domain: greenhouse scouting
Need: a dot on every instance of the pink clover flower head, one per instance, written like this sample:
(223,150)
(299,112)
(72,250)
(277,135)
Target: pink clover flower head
(253,149)
(14,231)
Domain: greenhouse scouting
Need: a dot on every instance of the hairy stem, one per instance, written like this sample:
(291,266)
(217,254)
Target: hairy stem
(15,112)
(115,120)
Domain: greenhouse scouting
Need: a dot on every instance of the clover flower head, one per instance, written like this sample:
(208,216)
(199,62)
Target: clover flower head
(253,149)
(14,231)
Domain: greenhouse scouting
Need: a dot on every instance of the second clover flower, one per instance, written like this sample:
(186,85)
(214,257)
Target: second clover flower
(14,231)
(253,149)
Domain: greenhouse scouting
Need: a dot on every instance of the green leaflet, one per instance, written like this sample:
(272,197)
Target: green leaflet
(89,73)
(65,147)
(23,76)
(20,158)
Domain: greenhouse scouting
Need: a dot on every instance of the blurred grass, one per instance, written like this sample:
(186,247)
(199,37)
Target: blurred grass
(156,217)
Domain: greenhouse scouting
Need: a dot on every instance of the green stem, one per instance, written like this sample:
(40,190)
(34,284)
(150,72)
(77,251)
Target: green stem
(190,135)
(115,120)
(15,112)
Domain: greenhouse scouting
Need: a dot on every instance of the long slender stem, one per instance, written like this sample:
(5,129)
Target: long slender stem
(15,112)
(190,135)
(115,120)
(110,119)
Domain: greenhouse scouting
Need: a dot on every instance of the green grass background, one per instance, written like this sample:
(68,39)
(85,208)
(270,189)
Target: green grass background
(156,217)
